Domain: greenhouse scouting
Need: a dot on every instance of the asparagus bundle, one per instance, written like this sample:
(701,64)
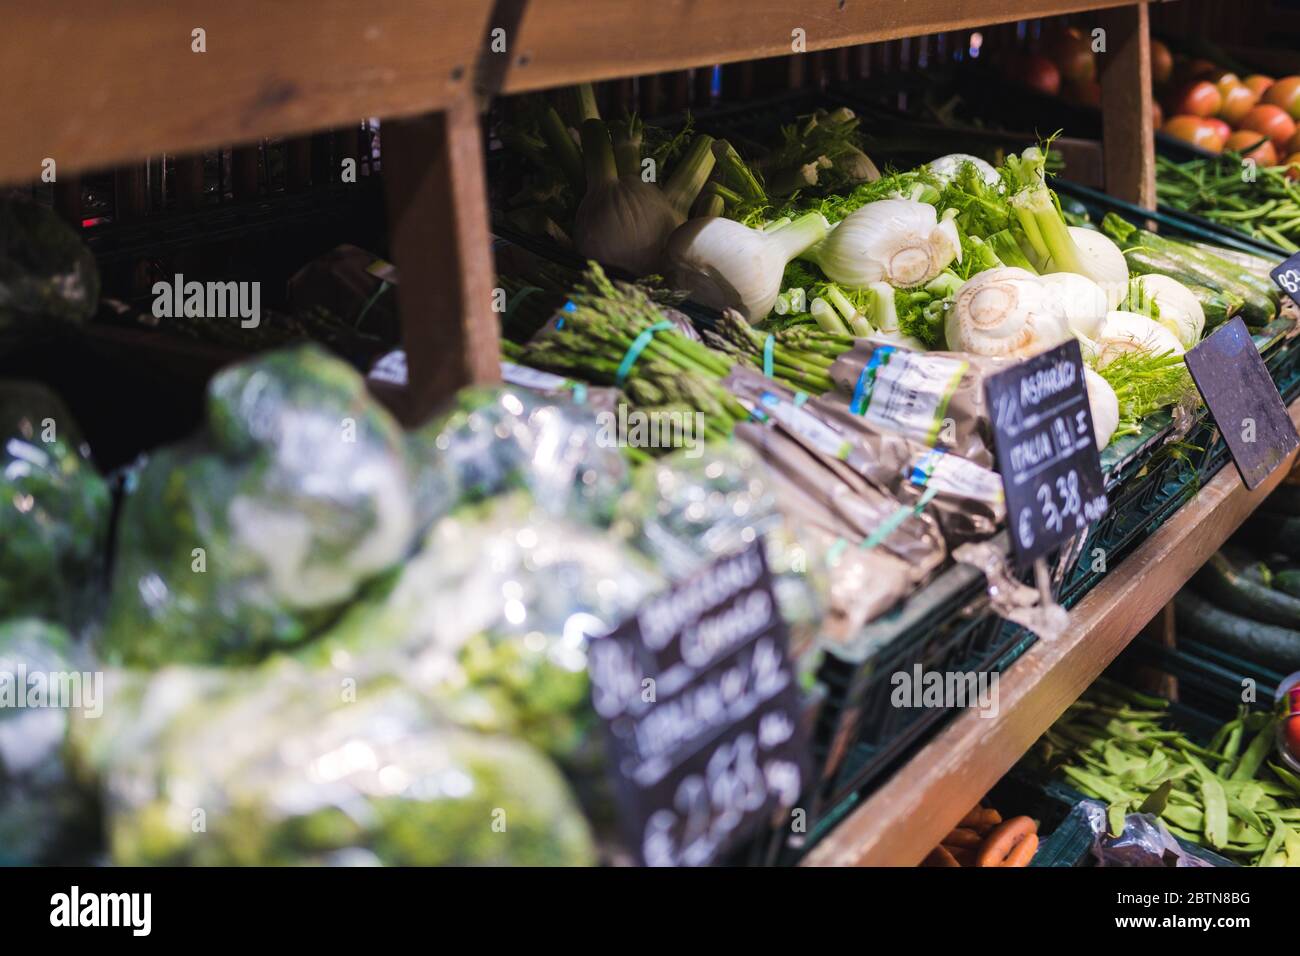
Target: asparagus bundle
(800,357)
(602,325)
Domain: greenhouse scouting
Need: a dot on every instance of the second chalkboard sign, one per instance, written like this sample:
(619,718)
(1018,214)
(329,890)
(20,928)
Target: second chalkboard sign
(1046,451)
(702,713)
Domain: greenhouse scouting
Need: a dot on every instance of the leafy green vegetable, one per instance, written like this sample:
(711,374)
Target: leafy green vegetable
(47,275)
(284,766)
(54,509)
(46,815)
(256,533)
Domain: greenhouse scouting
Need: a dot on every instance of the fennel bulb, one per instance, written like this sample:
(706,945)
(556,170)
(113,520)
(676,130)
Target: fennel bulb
(898,241)
(726,265)
(1005,312)
(1053,246)
(622,220)
(1123,332)
(1104,405)
(1102,262)
(1082,299)
(1176,307)
(946,168)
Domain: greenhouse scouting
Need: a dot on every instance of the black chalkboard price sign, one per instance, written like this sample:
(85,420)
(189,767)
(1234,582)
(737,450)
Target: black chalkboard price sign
(1234,381)
(1287,277)
(701,710)
(1046,451)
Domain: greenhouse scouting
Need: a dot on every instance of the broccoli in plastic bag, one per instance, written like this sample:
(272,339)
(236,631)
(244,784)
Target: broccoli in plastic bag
(54,509)
(255,535)
(46,272)
(280,765)
(497,439)
(45,815)
(492,617)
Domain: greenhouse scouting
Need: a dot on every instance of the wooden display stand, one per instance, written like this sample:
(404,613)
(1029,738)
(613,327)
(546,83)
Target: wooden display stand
(93,84)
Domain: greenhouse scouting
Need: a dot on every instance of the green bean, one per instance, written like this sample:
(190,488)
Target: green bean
(1215,802)
(1259,748)
(1275,841)
(1287,777)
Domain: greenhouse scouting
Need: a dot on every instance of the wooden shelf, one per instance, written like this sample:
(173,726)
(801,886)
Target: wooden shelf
(92,84)
(908,816)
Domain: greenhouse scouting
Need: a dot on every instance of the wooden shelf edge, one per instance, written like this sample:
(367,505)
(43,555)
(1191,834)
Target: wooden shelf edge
(907,817)
(295,66)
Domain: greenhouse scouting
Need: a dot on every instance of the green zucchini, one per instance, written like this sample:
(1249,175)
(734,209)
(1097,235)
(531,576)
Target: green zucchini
(1288,581)
(1219,581)
(1256,309)
(1271,533)
(1265,644)
(1219,306)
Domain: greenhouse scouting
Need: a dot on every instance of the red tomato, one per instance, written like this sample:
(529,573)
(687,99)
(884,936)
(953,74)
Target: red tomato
(1254,146)
(1237,102)
(1192,129)
(1286,94)
(1221,129)
(1258,82)
(1036,72)
(1223,80)
(1272,121)
(1293,144)
(1071,51)
(1291,727)
(1157,114)
(1198,98)
(1162,63)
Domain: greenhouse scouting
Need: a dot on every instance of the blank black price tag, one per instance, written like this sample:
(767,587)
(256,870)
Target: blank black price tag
(702,711)
(1287,277)
(1232,378)
(1046,451)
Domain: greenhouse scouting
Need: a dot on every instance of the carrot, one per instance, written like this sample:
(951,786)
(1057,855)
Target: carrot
(963,837)
(940,857)
(964,855)
(981,820)
(1023,852)
(1004,838)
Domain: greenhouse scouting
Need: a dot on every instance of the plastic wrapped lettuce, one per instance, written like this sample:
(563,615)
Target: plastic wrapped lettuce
(685,512)
(254,535)
(47,275)
(54,509)
(45,815)
(494,440)
(280,765)
(492,616)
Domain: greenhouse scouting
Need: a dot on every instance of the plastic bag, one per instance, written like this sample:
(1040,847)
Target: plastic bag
(685,512)
(1144,842)
(282,766)
(45,815)
(255,534)
(492,616)
(54,509)
(47,275)
(498,439)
